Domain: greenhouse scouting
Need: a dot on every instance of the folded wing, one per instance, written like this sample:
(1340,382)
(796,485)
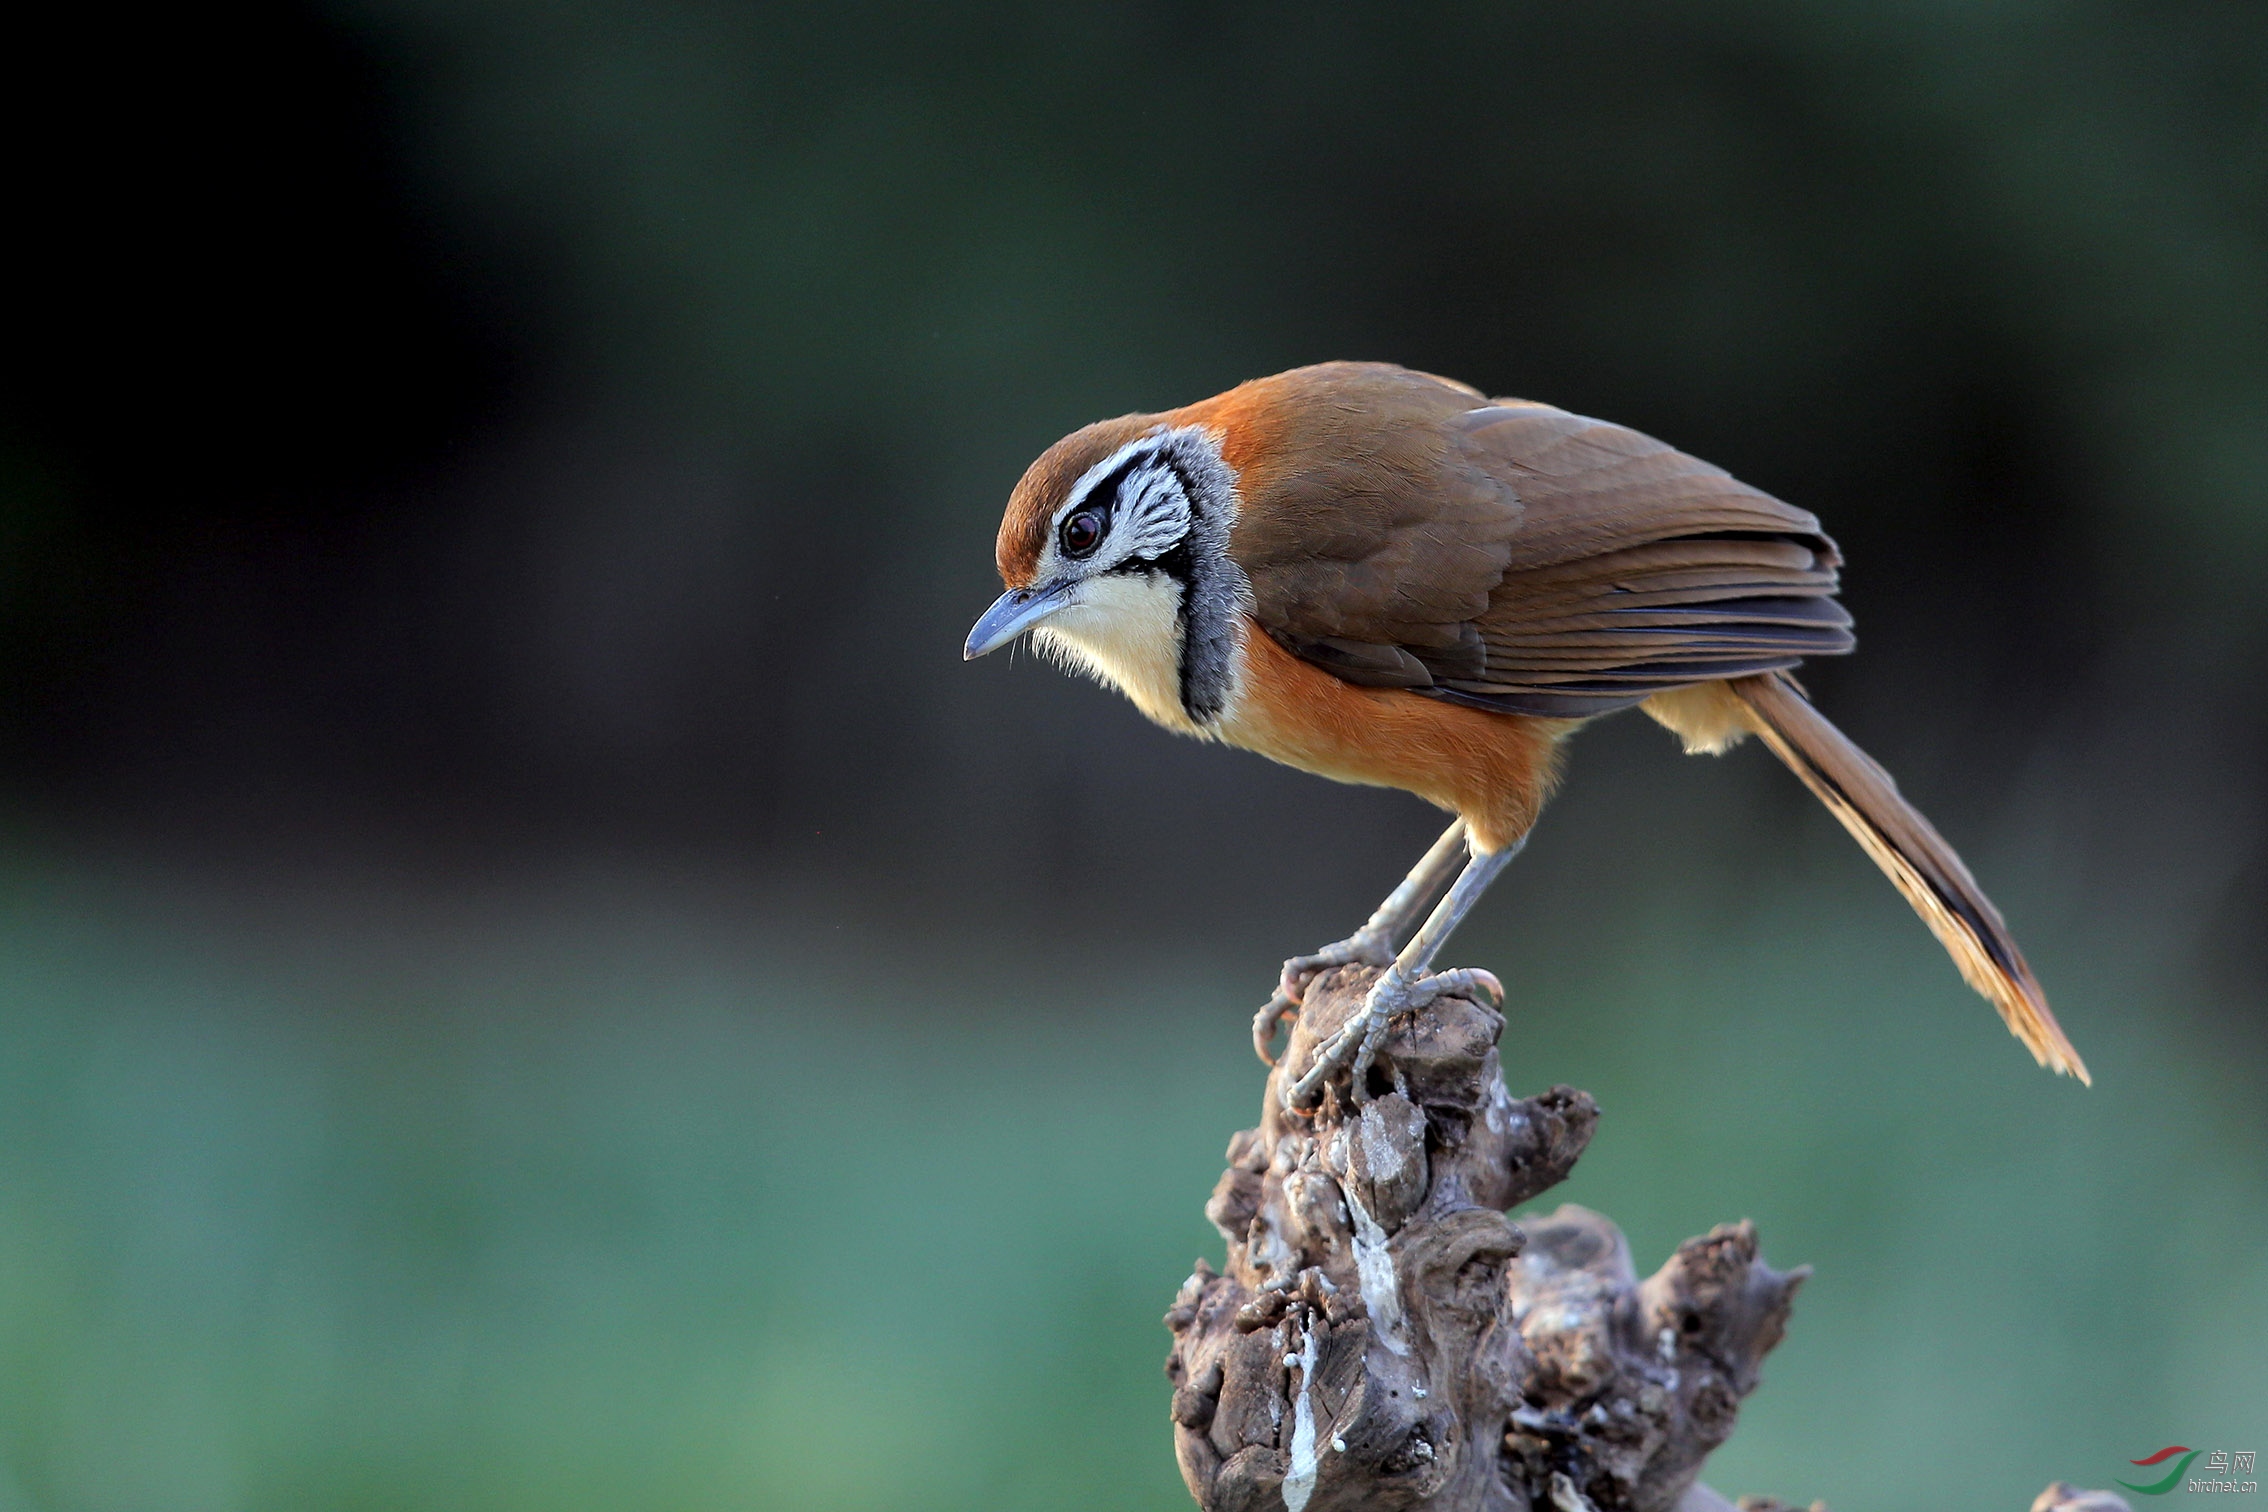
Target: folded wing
(1622,568)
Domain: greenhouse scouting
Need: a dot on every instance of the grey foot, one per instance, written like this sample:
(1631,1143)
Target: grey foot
(1367,946)
(1357,1039)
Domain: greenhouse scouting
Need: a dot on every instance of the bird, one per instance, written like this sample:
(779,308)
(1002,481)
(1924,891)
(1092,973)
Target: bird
(1386,577)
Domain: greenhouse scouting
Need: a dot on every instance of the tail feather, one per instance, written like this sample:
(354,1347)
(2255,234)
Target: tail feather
(1915,857)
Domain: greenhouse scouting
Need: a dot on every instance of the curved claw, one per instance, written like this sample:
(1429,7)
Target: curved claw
(1465,981)
(1365,947)
(1265,1023)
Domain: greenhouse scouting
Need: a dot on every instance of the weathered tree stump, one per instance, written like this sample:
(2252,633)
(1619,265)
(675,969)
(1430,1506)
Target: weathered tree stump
(1385,1337)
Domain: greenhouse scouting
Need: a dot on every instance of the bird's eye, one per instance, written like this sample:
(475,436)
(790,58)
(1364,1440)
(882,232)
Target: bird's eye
(1082,533)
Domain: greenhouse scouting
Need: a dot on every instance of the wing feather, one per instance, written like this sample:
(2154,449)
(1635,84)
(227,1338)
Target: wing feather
(1637,569)
(1514,556)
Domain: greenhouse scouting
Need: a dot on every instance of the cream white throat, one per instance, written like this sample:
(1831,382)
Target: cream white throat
(1125,631)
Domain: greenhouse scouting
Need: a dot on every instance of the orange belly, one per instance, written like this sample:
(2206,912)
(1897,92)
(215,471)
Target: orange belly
(1492,770)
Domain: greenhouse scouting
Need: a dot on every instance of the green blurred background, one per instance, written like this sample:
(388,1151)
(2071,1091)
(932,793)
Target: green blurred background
(535,978)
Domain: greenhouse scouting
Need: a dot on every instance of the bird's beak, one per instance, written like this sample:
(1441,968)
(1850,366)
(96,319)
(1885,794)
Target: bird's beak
(1014,612)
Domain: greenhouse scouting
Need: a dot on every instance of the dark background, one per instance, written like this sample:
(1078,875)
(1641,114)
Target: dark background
(536,977)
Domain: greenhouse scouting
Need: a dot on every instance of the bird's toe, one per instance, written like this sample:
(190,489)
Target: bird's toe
(1466,981)
(1365,947)
(1265,1023)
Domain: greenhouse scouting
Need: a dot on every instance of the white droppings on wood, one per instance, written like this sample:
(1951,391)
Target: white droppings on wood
(1570,1317)
(1565,1497)
(1299,1484)
(1499,1102)
(1382,1157)
(1271,1254)
(1374,1268)
(1275,1400)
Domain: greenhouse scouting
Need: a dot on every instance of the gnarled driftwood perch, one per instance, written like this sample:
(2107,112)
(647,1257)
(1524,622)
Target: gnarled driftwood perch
(1384,1337)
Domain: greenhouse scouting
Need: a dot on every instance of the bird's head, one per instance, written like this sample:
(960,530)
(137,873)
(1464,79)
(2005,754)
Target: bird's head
(1115,547)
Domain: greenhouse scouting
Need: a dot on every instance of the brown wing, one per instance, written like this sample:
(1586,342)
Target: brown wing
(1371,538)
(1637,569)
(1517,557)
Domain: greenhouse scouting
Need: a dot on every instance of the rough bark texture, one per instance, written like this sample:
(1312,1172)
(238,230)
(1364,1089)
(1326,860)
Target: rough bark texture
(1386,1338)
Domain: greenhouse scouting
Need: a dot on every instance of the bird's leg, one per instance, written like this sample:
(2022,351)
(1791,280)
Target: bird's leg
(1371,945)
(1408,984)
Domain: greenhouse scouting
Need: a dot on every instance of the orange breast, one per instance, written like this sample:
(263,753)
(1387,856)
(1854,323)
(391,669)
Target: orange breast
(1493,770)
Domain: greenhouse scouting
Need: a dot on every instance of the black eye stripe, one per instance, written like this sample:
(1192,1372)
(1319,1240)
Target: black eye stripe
(1103,496)
(1110,485)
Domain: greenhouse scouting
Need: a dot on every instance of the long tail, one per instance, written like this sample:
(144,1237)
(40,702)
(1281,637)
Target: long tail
(1915,857)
